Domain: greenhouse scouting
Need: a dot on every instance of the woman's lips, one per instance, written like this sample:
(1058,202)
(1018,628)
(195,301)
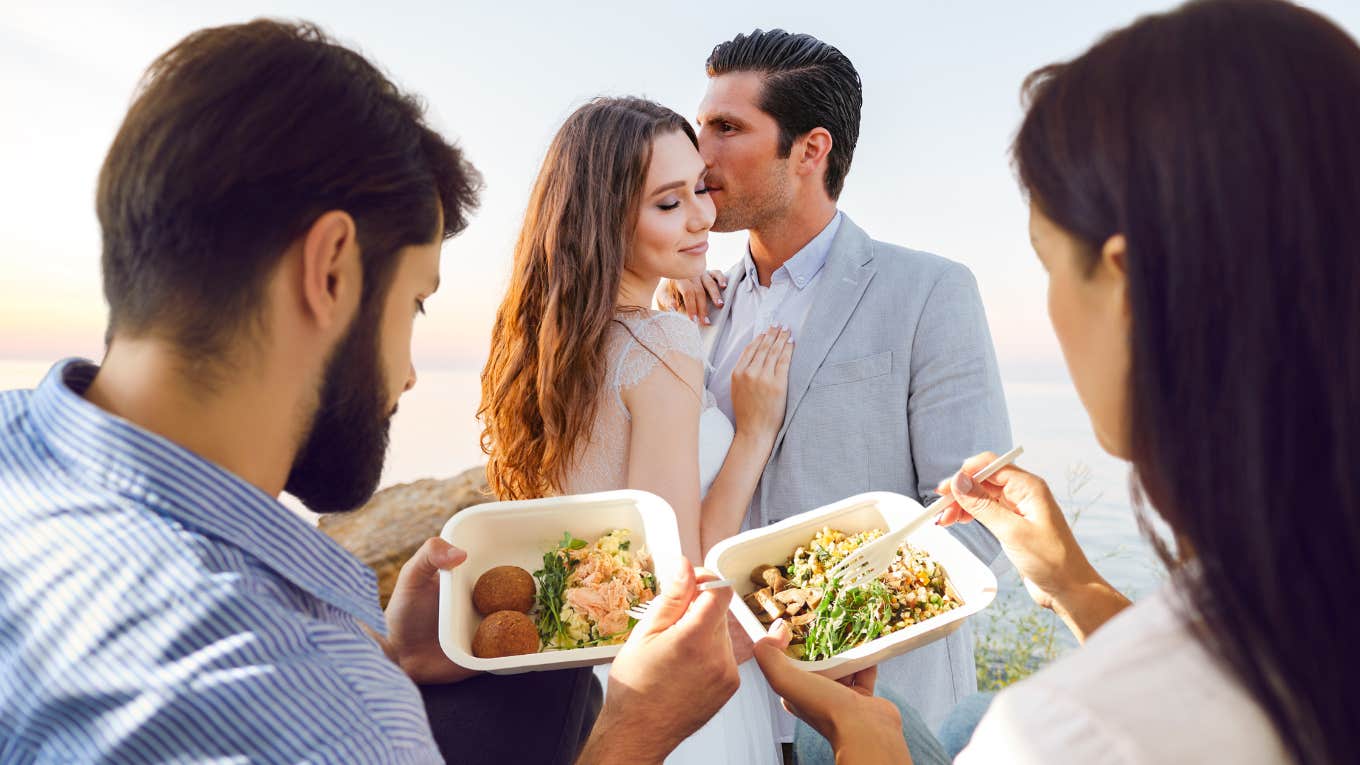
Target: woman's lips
(698,249)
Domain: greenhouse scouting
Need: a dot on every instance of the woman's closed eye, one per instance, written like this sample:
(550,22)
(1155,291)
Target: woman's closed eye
(671,202)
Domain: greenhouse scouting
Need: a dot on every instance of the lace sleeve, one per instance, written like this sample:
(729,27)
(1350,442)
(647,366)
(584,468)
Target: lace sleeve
(652,339)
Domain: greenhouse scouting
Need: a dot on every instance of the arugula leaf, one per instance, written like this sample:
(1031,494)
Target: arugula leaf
(847,618)
(552,584)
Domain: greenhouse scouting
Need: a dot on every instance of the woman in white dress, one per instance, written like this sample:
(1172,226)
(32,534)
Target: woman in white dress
(587,389)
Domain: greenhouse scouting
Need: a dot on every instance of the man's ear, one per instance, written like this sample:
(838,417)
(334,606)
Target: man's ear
(332,275)
(811,150)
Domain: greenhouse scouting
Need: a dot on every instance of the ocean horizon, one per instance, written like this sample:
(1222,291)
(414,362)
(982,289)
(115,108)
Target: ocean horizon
(435,434)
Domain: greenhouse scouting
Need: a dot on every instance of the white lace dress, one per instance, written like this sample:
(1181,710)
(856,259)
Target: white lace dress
(744,731)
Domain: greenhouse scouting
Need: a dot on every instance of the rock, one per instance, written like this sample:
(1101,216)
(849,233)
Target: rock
(385,532)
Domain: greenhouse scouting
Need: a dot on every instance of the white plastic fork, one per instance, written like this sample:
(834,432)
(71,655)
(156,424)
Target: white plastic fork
(640,610)
(871,561)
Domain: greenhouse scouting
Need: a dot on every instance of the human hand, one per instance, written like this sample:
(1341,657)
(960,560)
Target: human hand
(413,615)
(861,727)
(674,673)
(692,297)
(742,647)
(1019,509)
(760,384)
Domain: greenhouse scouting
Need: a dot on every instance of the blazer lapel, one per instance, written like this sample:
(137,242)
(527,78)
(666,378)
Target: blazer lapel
(846,275)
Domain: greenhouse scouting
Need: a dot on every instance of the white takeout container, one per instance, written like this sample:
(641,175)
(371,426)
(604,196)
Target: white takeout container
(971,580)
(517,534)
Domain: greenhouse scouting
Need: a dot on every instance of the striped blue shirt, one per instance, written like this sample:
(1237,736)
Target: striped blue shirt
(154,607)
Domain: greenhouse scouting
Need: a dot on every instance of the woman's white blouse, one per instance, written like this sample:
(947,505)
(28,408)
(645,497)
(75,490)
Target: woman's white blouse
(1141,690)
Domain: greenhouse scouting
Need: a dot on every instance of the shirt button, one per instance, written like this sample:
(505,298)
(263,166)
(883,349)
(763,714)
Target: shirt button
(799,281)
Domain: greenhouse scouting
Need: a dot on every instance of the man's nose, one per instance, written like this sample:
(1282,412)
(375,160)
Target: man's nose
(410,378)
(706,149)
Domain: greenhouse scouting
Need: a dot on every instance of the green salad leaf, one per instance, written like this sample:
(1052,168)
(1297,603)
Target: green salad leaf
(552,584)
(847,618)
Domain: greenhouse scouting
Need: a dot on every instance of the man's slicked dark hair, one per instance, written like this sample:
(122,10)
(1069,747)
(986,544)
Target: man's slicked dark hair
(807,84)
(239,138)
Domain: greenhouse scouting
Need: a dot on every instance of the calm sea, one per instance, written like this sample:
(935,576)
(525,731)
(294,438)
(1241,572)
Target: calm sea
(435,434)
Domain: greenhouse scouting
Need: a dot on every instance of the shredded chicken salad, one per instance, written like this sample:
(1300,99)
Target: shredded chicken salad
(586,588)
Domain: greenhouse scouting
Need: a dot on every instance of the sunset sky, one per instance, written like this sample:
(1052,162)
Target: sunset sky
(941,86)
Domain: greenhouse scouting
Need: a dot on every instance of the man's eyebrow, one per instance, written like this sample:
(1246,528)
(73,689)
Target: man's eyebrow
(721,117)
(667,187)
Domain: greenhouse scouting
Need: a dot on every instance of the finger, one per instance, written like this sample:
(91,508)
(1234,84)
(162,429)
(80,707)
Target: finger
(719,277)
(1006,474)
(952,514)
(982,502)
(711,286)
(689,295)
(781,368)
(800,690)
(708,611)
(866,679)
(776,350)
(762,347)
(696,299)
(434,556)
(672,603)
(744,360)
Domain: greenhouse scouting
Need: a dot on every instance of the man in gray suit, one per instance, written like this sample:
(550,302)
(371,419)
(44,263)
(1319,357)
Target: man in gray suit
(894,381)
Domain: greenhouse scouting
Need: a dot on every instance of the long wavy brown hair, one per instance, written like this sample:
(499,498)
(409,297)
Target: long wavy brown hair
(542,381)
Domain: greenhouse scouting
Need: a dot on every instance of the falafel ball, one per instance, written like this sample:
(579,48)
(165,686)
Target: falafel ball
(503,588)
(505,633)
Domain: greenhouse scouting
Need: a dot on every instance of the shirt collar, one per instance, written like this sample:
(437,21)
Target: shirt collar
(806,263)
(102,449)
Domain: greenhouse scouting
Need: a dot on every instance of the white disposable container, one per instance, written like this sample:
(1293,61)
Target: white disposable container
(517,534)
(971,580)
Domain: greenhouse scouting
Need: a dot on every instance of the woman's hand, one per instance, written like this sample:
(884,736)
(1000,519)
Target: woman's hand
(760,385)
(1018,508)
(861,727)
(693,297)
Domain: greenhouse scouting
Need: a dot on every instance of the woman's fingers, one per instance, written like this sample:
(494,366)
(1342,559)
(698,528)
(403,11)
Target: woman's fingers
(762,349)
(785,361)
(713,287)
(744,360)
(778,343)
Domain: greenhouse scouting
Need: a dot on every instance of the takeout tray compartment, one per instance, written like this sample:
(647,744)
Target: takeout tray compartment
(517,534)
(969,578)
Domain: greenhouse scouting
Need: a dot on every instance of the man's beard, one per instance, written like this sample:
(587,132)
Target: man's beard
(763,203)
(341,458)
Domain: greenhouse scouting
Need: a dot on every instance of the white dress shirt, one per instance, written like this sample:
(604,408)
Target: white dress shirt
(756,308)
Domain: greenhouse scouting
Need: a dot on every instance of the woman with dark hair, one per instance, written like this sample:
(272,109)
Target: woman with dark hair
(588,389)
(1194,186)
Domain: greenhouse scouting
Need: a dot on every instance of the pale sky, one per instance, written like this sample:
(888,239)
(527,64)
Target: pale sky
(941,103)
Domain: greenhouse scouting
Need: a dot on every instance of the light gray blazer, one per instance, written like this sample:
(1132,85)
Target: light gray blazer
(894,383)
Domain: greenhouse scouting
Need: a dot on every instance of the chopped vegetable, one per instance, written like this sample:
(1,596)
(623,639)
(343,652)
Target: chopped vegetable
(826,620)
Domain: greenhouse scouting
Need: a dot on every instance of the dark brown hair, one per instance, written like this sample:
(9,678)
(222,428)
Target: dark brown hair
(547,364)
(240,137)
(1219,139)
(807,84)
